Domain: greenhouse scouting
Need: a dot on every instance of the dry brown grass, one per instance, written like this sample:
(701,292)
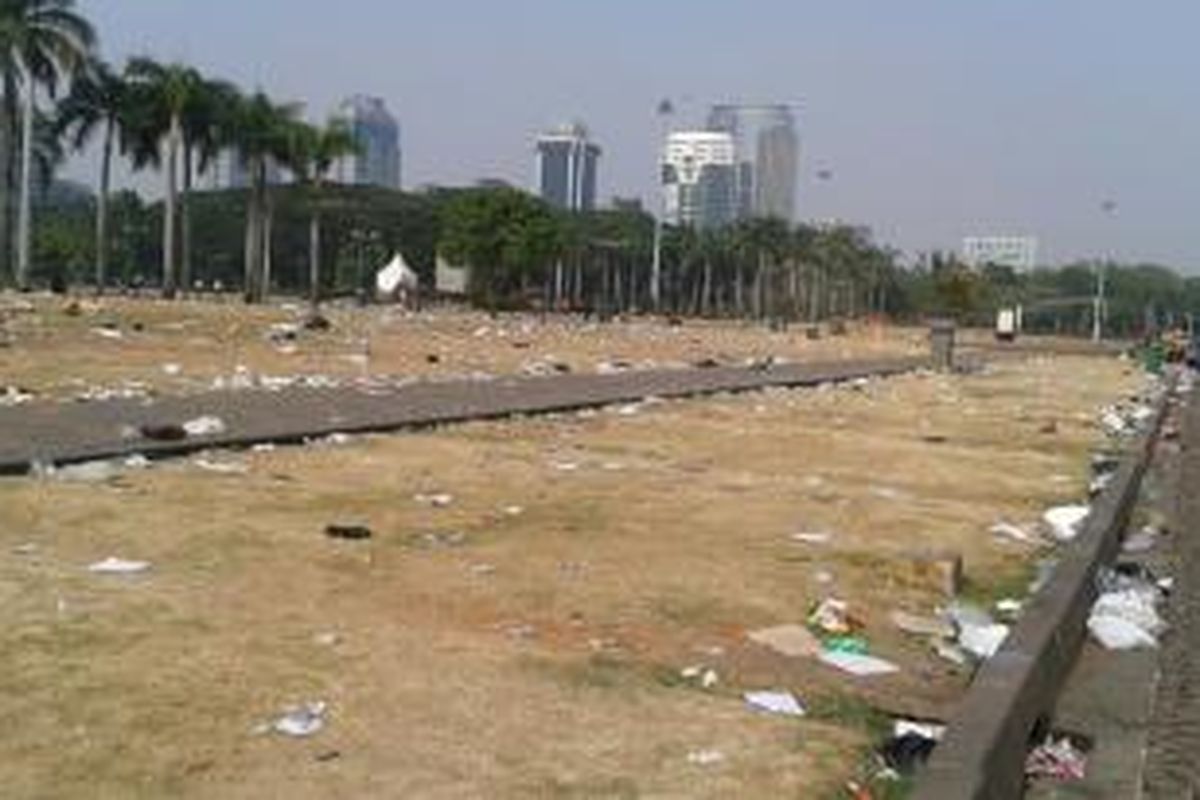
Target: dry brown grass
(555,671)
(57,354)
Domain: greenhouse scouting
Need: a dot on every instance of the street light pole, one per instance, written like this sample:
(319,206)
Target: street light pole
(1109,207)
(665,109)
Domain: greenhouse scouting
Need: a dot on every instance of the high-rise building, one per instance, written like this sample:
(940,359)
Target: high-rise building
(699,176)
(768,155)
(1017,252)
(566,163)
(377,163)
(227,171)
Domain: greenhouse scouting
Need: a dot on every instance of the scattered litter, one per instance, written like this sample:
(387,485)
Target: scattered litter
(163,433)
(328,639)
(1125,616)
(204,426)
(887,493)
(978,633)
(709,679)
(1057,760)
(444,539)
(1099,484)
(87,472)
(847,644)
(1045,570)
(14,396)
(27,549)
(775,703)
(1015,532)
(522,630)
(301,721)
(1066,521)
(118,566)
(858,663)
(483,570)
(172,369)
(922,626)
(982,641)
(951,652)
(833,617)
(910,746)
(136,461)
(812,537)
(1142,541)
(435,500)
(790,640)
(265,447)
(108,333)
(222,467)
(513,511)
(927,730)
(705,758)
(349,532)
(565,466)
(1009,607)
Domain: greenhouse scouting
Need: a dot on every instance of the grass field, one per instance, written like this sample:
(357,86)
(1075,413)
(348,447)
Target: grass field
(528,639)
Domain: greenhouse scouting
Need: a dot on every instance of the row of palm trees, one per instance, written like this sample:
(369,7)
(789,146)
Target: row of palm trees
(169,117)
(756,268)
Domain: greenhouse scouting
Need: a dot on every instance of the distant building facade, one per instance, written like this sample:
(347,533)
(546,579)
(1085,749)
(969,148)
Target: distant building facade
(699,179)
(1017,252)
(228,171)
(768,157)
(567,162)
(377,133)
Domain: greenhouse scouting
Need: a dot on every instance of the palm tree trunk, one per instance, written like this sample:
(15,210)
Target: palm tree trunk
(267,235)
(814,293)
(169,213)
(314,260)
(706,305)
(102,209)
(249,268)
(185,213)
(8,118)
(24,211)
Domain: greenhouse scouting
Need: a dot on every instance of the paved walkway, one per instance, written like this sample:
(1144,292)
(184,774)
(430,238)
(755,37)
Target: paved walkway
(58,433)
(1173,760)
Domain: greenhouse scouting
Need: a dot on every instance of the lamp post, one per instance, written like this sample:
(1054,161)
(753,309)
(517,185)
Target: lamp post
(665,110)
(1109,207)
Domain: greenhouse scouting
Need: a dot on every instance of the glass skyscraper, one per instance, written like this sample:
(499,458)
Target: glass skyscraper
(378,135)
(567,162)
(768,155)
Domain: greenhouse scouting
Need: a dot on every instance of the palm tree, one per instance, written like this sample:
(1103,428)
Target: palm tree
(99,99)
(262,132)
(312,154)
(207,125)
(164,95)
(42,43)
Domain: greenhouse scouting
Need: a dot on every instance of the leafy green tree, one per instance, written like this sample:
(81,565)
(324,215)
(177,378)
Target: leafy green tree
(504,235)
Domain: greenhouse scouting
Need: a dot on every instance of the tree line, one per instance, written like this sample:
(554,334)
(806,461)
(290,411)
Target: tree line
(318,238)
(169,117)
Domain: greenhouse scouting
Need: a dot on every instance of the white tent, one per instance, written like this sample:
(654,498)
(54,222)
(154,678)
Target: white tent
(396,279)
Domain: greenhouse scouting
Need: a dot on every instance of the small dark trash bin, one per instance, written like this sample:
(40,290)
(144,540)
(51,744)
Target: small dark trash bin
(941,344)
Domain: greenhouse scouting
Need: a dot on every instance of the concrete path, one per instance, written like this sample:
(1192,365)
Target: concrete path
(59,433)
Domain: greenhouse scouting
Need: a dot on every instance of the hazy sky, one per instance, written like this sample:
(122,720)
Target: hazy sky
(938,118)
